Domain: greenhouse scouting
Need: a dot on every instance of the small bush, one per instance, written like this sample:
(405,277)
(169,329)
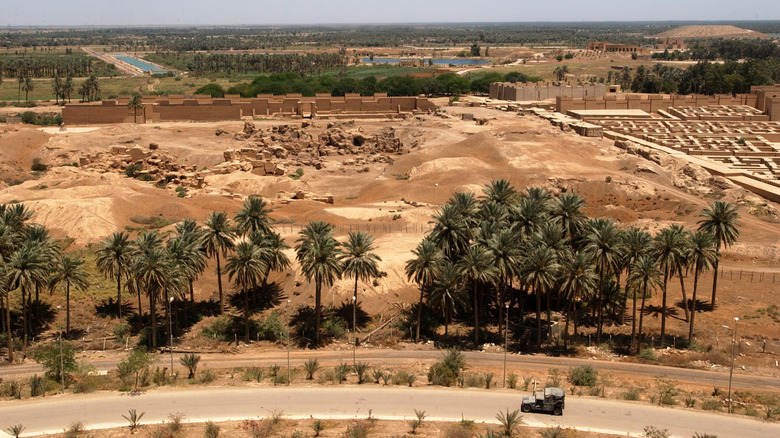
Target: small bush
(122,332)
(654,432)
(711,404)
(358,429)
(440,374)
(648,354)
(341,372)
(667,391)
(553,377)
(37,166)
(361,368)
(416,423)
(689,401)
(37,386)
(74,430)
(584,375)
(377,374)
(511,381)
(212,430)
(318,426)
(253,373)
(206,376)
(310,367)
(132,170)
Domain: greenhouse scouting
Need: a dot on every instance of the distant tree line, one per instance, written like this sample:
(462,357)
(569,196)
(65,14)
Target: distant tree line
(201,64)
(50,65)
(446,84)
(702,78)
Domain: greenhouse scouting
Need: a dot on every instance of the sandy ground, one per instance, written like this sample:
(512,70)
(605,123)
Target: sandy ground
(448,155)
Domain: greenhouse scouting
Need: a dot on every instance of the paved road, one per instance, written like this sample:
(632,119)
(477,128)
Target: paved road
(53,414)
(515,362)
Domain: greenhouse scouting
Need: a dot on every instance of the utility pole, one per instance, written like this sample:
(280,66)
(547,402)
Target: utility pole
(170,331)
(506,340)
(733,348)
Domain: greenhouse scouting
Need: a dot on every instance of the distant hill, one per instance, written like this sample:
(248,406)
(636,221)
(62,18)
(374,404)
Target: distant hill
(710,32)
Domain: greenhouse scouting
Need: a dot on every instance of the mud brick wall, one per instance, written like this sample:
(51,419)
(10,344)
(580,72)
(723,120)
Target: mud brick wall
(650,103)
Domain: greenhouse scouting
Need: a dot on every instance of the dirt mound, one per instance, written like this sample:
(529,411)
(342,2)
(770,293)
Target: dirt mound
(723,31)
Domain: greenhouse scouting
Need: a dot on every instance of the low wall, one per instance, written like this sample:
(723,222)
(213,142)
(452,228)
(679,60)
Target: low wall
(650,103)
(521,92)
(234,107)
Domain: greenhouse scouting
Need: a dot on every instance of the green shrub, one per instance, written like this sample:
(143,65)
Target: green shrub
(361,368)
(212,430)
(711,404)
(341,372)
(654,432)
(511,381)
(310,367)
(253,373)
(553,377)
(37,386)
(440,374)
(584,375)
(37,166)
(132,170)
(667,391)
(122,332)
(58,359)
(632,393)
(132,369)
(689,401)
(648,354)
(206,376)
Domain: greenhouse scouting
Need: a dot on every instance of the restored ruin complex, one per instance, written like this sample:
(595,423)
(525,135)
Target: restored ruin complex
(737,137)
(235,107)
(520,91)
(602,46)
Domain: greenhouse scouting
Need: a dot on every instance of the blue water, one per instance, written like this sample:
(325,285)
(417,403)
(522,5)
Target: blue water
(143,65)
(440,61)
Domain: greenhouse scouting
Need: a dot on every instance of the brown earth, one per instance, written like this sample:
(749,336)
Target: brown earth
(395,203)
(710,31)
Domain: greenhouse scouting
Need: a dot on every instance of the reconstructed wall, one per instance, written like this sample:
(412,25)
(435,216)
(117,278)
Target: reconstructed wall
(521,92)
(651,103)
(234,107)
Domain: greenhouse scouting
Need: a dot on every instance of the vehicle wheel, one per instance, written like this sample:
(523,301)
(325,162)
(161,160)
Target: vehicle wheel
(525,408)
(558,411)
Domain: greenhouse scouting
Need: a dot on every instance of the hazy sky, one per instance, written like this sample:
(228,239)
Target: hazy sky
(221,12)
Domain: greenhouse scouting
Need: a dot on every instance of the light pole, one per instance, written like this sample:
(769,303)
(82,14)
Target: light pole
(287,326)
(62,361)
(354,330)
(733,347)
(506,340)
(170,331)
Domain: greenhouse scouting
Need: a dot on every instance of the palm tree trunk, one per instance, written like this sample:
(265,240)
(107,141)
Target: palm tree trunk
(246,312)
(219,285)
(566,329)
(24,322)
(538,316)
(600,304)
(715,275)
(633,320)
(317,311)
(354,307)
(153,313)
(192,293)
(419,317)
(9,334)
(501,288)
(684,294)
(663,307)
(140,312)
(641,319)
(119,295)
(67,308)
(693,303)
(549,307)
(476,316)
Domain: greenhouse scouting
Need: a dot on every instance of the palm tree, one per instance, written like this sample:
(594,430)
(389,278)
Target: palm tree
(603,244)
(720,220)
(155,273)
(476,267)
(113,257)
(253,217)
(702,254)
(319,256)
(25,268)
(27,86)
(505,249)
(272,248)
(645,276)
(192,255)
(636,243)
(56,88)
(669,250)
(246,266)
(136,103)
(501,192)
(218,239)
(540,271)
(578,279)
(451,231)
(567,211)
(423,270)
(38,235)
(360,262)
(446,292)
(561,71)
(67,87)
(71,271)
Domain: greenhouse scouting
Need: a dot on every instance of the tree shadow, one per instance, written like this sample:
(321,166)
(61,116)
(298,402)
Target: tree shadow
(701,306)
(108,308)
(41,315)
(655,311)
(344,311)
(303,327)
(262,298)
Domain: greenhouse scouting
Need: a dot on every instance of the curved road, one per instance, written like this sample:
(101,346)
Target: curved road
(53,414)
(474,359)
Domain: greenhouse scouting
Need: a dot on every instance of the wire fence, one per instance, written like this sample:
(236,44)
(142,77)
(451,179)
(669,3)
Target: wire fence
(749,276)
